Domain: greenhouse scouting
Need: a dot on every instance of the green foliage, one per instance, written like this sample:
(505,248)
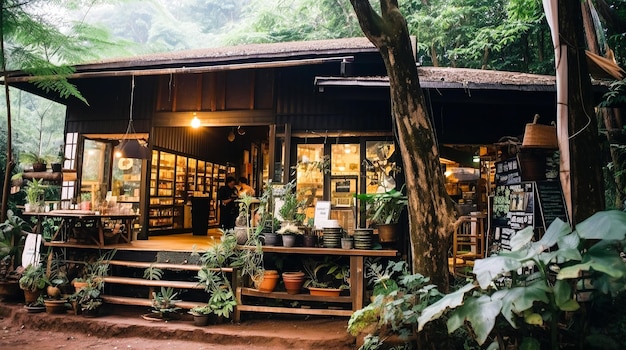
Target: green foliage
(11,238)
(328,273)
(214,279)
(616,96)
(292,208)
(33,278)
(558,264)
(164,303)
(222,302)
(153,273)
(201,310)
(34,191)
(384,208)
(399,298)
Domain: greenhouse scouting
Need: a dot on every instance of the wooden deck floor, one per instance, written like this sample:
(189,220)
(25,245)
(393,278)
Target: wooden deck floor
(185,242)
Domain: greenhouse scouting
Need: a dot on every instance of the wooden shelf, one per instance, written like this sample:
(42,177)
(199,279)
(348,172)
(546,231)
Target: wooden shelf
(285,296)
(298,311)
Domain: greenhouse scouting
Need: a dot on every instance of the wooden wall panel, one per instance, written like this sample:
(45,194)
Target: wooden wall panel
(187,89)
(239,89)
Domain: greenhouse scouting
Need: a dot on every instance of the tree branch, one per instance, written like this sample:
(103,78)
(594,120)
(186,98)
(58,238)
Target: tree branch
(369,20)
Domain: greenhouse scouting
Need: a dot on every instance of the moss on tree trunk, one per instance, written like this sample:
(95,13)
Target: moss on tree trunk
(430,208)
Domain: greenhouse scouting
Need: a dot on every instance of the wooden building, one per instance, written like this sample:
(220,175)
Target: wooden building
(259,111)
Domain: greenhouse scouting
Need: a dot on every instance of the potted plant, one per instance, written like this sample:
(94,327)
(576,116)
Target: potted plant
(292,209)
(36,161)
(33,281)
(163,305)
(325,278)
(87,300)
(85,201)
(384,210)
(34,191)
(214,280)
(11,245)
(398,297)
(222,303)
(201,315)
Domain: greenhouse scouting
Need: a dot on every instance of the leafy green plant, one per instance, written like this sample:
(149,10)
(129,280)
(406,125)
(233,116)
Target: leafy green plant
(34,191)
(222,302)
(153,273)
(399,298)
(559,264)
(384,208)
(164,303)
(201,310)
(34,278)
(11,242)
(292,208)
(214,279)
(328,273)
(616,96)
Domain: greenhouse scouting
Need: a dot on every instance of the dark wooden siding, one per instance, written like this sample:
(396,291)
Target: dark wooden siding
(109,105)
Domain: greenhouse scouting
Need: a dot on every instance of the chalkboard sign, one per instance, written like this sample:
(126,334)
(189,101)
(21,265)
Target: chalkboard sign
(551,202)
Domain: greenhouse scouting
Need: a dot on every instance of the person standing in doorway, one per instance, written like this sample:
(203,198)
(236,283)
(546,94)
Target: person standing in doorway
(227,195)
(244,188)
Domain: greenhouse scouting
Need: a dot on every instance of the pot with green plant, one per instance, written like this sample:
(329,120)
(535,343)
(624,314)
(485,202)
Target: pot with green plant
(33,282)
(85,201)
(36,161)
(396,295)
(163,305)
(34,191)
(327,277)
(383,211)
(201,315)
(87,300)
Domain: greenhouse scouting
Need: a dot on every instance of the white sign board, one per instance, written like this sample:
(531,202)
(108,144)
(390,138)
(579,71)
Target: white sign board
(31,250)
(322,214)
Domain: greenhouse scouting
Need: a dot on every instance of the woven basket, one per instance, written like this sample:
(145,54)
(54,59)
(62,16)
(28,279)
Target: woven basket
(540,136)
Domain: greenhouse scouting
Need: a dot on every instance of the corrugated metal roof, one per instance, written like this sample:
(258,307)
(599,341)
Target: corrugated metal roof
(249,52)
(455,78)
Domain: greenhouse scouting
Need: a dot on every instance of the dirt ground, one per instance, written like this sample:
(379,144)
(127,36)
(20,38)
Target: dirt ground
(125,329)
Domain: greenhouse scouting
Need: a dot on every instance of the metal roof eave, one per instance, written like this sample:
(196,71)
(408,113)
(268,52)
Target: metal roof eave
(383,82)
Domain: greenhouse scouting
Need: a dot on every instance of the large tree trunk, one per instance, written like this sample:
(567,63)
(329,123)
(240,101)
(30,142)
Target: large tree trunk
(430,209)
(587,185)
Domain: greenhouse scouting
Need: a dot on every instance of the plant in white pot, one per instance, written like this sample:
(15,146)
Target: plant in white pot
(34,191)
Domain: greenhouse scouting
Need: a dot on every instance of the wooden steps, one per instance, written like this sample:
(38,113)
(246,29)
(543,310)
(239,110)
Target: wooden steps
(152,283)
(113,299)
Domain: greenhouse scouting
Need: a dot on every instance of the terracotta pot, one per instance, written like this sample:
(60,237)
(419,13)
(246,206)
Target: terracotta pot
(78,285)
(293,281)
(325,292)
(31,296)
(268,281)
(55,306)
(387,232)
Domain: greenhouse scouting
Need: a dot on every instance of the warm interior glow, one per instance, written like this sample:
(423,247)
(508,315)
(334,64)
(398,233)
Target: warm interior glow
(195,122)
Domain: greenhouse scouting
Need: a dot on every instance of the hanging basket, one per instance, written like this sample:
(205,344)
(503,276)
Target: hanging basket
(540,136)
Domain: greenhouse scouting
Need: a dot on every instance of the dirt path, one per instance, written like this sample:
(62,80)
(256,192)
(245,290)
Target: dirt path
(126,330)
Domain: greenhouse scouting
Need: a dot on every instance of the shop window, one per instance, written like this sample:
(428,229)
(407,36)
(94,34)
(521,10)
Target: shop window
(309,171)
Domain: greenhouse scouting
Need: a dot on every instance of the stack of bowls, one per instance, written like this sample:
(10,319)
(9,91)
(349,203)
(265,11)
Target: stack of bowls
(332,237)
(363,238)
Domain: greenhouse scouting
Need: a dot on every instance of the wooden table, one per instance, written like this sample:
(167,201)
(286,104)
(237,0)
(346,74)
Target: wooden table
(69,219)
(357,282)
